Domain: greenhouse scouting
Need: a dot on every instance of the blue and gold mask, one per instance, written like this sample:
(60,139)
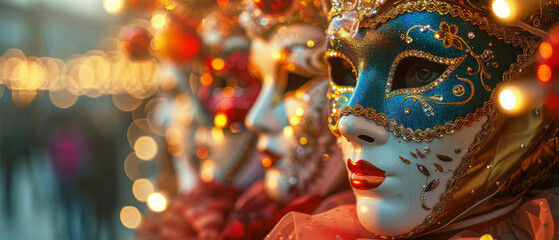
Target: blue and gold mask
(423,69)
(430,71)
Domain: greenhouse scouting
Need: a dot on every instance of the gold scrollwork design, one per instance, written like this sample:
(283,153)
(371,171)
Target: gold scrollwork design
(437,99)
(458,90)
(469,97)
(427,108)
(448,34)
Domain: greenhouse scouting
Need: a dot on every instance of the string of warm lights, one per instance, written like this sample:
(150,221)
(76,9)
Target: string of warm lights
(140,137)
(93,74)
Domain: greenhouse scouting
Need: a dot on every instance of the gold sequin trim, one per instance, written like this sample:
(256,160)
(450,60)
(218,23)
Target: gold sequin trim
(336,54)
(417,135)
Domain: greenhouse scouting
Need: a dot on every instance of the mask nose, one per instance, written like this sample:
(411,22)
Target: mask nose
(362,131)
(263,116)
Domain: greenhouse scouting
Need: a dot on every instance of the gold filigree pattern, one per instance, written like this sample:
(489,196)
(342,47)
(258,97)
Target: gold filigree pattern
(418,135)
(448,34)
(528,44)
(427,108)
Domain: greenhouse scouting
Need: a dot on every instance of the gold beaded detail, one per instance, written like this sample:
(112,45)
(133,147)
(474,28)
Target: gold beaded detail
(452,63)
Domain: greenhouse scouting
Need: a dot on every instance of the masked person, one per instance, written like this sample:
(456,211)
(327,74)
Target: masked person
(299,154)
(222,92)
(415,89)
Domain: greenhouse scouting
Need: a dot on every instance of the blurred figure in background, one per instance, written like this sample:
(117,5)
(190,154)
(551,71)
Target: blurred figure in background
(220,151)
(300,156)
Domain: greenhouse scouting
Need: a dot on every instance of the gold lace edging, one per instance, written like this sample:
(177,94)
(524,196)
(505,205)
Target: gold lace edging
(418,135)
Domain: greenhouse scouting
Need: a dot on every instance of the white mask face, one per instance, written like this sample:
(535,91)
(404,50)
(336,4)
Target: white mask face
(292,51)
(397,182)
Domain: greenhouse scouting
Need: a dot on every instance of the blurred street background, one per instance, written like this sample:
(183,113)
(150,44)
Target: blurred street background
(62,152)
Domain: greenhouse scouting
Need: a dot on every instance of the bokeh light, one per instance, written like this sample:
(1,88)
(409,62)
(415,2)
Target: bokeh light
(288,131)
(157,202)
(146,148)
(310,43)
(63,98)
(299,111)
(125,102)
(546,50)
(217,135)
(137,129)
(507,99)
(486,237)
(501,8)
(132,166)
(113,6)
(142,188)
(207,170)
(130,217)
(93,74)
(544,73)
(218,64)
(158,20)
(206,79)
(220,120)
(266,162)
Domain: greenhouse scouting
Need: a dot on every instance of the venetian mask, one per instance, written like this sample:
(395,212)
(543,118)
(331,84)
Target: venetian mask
(288,44)
(226,91)
(414,88)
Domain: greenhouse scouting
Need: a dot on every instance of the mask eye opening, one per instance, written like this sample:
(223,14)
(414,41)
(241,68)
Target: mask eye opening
(341,71)
(415,72)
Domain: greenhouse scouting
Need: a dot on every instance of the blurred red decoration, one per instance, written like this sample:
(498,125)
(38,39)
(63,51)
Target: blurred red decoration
(274,7)
(136,42)
(548,57)
(233,89)
(178,42)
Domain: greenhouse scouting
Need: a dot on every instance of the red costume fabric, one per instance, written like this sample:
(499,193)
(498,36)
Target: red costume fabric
(199,214)
(536,219)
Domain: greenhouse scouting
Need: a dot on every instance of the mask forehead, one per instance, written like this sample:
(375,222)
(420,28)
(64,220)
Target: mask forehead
(475,60)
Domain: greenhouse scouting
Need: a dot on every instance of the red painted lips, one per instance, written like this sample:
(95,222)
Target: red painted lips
(364,175)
